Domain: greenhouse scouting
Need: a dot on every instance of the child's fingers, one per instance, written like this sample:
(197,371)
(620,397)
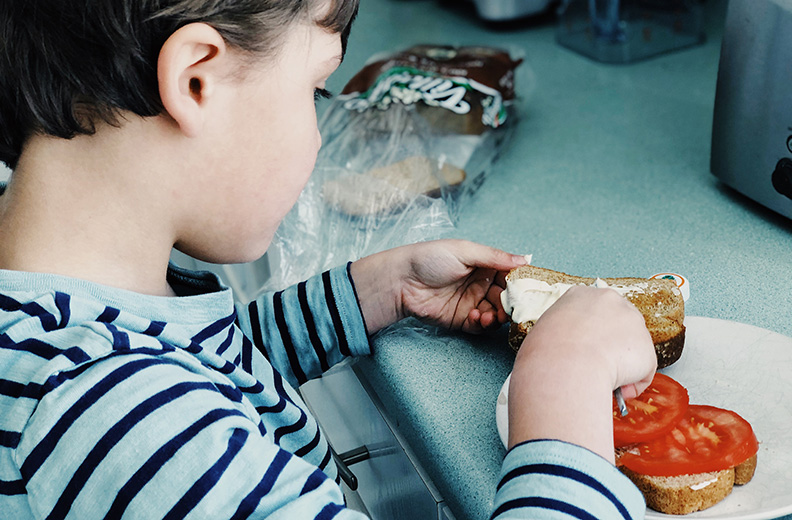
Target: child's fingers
(473,322)
(479,255)
(629,391)
(481,321)
(494,296)
(638,388)
(489,320)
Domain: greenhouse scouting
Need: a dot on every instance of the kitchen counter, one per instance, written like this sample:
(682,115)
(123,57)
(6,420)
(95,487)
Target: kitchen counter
(607,175)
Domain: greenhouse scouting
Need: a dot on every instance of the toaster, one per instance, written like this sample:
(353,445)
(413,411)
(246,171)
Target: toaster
(752,120)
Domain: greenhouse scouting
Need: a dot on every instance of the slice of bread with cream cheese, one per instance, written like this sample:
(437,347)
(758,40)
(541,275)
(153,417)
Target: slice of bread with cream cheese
(531,290)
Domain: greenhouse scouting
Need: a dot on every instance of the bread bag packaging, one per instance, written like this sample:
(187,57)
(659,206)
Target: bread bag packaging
(457,90)
(405,145)
(422,122)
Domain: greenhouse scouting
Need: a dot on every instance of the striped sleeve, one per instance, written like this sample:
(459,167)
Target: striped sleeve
(547,479)
(139,437)
(306,329)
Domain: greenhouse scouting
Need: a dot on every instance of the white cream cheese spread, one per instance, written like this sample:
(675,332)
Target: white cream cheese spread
(526,299)
(702,485)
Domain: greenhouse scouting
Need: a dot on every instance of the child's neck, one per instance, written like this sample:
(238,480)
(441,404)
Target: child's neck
(74,216)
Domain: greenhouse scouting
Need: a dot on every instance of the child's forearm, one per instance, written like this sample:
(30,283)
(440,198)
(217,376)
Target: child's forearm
(587,344)
(570,402)
(377,280)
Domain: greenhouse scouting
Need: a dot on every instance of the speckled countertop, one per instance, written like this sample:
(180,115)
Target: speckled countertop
(608,175)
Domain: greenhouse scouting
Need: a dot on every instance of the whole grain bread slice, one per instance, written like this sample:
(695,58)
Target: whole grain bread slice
(659,300)
(685,494)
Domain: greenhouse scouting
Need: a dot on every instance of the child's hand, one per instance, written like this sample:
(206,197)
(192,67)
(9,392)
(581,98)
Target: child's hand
(449,283)
(457,285)
(589,343)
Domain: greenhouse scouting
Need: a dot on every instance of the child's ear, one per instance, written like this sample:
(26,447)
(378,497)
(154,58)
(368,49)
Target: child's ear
(190,66)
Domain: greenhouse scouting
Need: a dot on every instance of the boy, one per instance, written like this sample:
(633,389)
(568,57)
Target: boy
(131,388)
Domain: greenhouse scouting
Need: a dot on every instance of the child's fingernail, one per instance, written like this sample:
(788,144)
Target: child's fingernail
(522,259)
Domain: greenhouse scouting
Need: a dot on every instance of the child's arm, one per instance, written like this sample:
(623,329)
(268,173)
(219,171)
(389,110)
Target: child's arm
(306,329)
(140,436)
(589,343)
(309,327)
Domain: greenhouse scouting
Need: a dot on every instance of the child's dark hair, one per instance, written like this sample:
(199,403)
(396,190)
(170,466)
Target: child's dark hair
(66,65)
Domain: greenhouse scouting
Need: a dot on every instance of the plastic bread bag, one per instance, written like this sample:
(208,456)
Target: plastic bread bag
(405,145)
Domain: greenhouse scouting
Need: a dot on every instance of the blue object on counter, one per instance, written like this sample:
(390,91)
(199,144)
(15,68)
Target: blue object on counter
(504,10)
(624,31)
(605,22)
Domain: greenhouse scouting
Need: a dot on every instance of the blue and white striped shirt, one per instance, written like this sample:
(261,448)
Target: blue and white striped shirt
(119,405)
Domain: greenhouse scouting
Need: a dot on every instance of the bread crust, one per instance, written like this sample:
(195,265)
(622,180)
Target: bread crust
(745,471)
(659,301)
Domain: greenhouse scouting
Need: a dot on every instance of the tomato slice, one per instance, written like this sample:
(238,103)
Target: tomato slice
(705,439)
(651,414)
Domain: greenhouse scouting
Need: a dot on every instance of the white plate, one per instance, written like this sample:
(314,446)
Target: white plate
(746,369)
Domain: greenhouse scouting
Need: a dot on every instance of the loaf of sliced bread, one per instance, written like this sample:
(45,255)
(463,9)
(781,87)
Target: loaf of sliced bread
(659,300)
(685,494)
(391,187)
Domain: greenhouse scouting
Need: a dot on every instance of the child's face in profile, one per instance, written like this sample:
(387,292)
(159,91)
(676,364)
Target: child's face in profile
(269,141)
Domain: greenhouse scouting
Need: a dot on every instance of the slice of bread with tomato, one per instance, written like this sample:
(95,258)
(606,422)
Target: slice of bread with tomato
(683,457)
